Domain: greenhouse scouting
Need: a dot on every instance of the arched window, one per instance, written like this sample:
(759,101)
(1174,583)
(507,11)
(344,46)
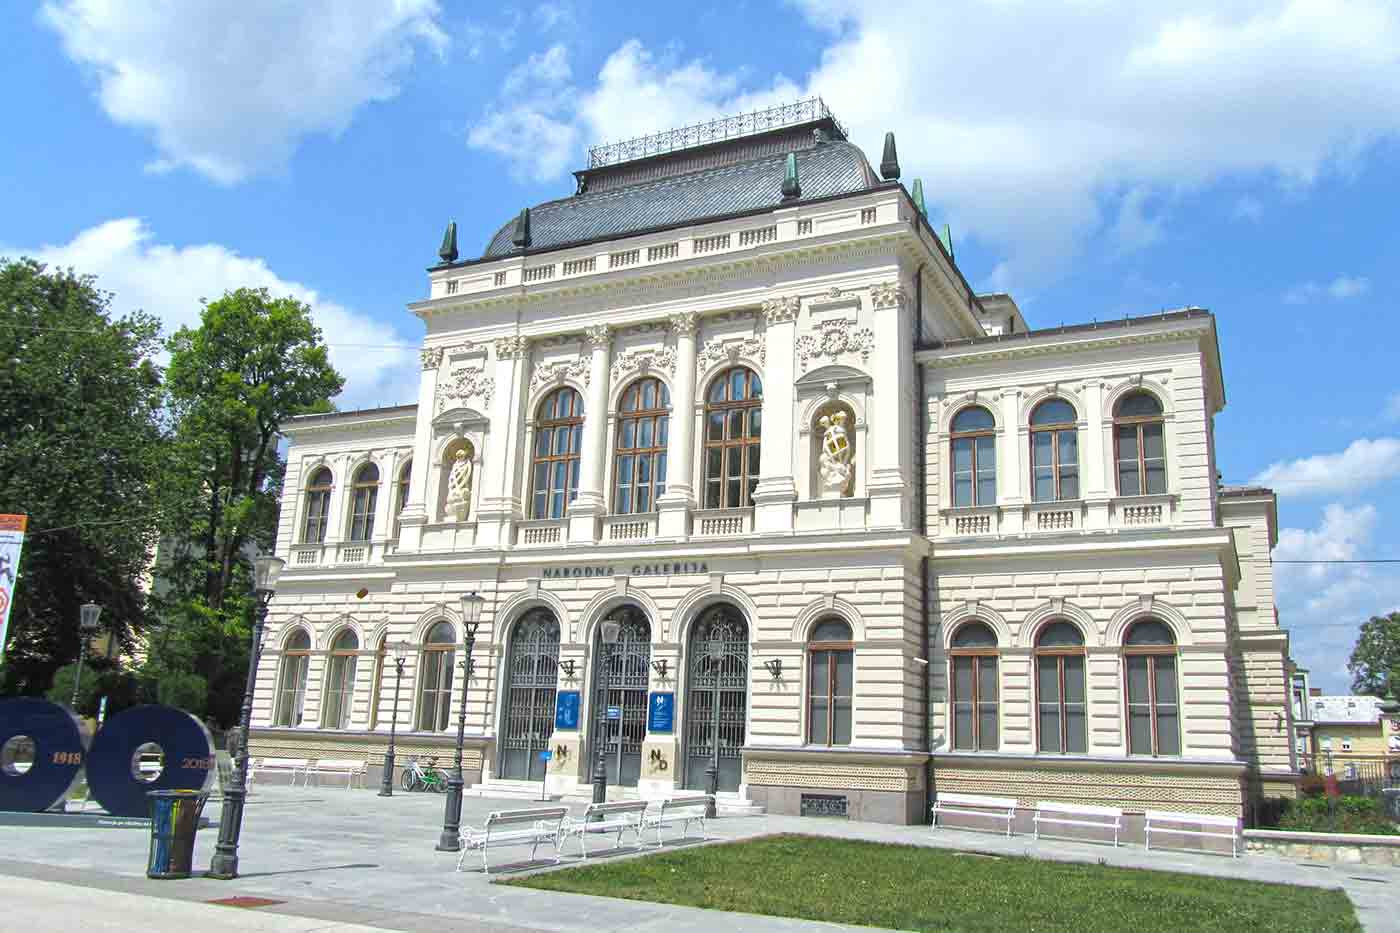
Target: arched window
(1059,688)
(291,686)
(639,472)
(364,493)
(1138,445)
(975,688)
(401,494)
(340,681)
(558,436)
(1054,451)
(974,458)
(831,683)
(435,679)
(733,431)
(318,507)
(1154,712)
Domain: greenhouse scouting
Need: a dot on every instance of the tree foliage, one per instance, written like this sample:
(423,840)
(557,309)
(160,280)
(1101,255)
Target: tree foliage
(1375,659)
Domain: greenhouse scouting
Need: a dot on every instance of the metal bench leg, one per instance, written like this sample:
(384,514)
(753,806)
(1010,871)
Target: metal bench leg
(463,856)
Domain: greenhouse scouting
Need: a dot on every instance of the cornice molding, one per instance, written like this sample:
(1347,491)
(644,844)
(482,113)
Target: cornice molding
(1031,347)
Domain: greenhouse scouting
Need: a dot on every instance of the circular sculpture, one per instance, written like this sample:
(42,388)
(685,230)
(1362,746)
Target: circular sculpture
(58,753)
(113,765)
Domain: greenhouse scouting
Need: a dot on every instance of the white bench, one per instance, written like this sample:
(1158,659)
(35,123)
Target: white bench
(350,767)
(294,766)
(620,816)
(515,827)
(996,808)
(1231,825)
(1078,814)
(682,810)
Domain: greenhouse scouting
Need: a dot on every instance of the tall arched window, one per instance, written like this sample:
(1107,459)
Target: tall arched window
(974,458)
(1138,445)
(340,681)
(1054,451)
(830,683)
(1059,689)
(733,432)
(1154,712)
(401,494)
(435,678)
(558,437)
(639,472)
(291,685)
(318,507)
(364,495)
(975,688)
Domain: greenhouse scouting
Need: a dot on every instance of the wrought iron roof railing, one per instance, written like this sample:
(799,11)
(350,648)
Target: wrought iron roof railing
(700,134)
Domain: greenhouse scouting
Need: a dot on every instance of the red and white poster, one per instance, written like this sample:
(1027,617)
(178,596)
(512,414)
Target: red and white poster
(11,541)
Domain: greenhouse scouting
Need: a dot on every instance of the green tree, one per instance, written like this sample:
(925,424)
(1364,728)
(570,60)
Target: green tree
(1375,660)
(81,452)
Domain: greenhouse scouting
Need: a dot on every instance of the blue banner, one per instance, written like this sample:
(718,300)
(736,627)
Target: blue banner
(661,712)
(566,710)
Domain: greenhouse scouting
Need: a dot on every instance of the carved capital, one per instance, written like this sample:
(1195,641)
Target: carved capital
(887,296)
(511,348)
(431,357)
(781,310)
(685,323)
(599,336)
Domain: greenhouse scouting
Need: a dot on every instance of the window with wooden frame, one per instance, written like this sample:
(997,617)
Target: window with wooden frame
(381,656)
(974,460)
(1139,445)
(976,693)
(1054,451)
(733,434)
(340,681)
(291,685)
(364,496)
(401,494)
(639,464)
(830,683)
(318,506)
(435,678)
(1059,688)
(1150,684)
(558,439)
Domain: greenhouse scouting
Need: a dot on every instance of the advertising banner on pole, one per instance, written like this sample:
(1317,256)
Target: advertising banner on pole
(11,540)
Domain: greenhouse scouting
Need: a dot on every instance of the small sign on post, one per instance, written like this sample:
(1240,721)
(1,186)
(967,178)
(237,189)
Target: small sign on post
(566,710)
(545,756)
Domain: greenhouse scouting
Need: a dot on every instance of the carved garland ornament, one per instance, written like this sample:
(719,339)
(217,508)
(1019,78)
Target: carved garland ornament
(781,310)
(832,339)
(887,295)
(511,348)
(643,361)
(717,350)
(557,372)
(431,357)
(466,382)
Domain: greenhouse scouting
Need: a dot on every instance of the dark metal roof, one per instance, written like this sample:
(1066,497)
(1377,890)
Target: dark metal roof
(829,169)
(1242,491)
(1111,324)
(389,411)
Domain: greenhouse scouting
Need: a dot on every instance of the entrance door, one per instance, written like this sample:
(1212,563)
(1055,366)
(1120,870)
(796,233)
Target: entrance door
(627,663)
(716,700)
(531,680)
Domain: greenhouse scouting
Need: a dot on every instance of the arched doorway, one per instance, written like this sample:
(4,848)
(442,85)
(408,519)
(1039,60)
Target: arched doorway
(716,699)
(531,681)
(627,662)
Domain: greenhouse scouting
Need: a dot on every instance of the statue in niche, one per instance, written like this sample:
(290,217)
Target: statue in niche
(837,472)
(459,486)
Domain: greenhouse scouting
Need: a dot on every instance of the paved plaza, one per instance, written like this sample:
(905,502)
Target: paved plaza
(340,860)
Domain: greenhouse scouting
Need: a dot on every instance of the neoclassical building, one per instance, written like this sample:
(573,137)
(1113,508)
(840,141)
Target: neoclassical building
(865,535)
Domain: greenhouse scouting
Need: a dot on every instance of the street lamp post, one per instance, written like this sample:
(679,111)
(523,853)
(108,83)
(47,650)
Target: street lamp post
(450,840)
(224,865)
(608,637)
(400,652)
(87,627)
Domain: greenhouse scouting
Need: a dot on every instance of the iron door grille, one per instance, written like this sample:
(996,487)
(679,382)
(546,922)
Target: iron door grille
(717,698)
(533,677)
(628,663)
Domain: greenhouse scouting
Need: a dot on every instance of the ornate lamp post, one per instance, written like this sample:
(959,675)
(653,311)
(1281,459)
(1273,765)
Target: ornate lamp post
(87,627)
(399,650)
(608,636)
(450,840)
(224,865)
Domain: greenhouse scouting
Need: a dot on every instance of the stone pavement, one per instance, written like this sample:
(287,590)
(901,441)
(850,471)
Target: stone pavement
(348,858)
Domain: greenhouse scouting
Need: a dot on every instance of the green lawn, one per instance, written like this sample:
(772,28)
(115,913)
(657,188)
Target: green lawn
(912,887)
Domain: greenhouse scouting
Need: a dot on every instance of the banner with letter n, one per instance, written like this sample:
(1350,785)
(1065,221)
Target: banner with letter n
(11,540)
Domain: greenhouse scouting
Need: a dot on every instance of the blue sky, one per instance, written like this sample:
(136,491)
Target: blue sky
(1095,160)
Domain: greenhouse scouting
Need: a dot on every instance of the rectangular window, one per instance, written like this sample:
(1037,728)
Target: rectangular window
(1154,726)
(975,703)
(292,691)
(1062,720)
(340,689)
(830,686)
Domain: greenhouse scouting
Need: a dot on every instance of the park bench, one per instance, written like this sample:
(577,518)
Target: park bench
(1078,814)
(620,816)
(514,827)
(292,766)
(1209,825)
(995,808)
(350,767)
(682,810)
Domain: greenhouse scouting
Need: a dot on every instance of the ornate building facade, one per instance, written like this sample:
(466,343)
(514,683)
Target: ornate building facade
(865,535)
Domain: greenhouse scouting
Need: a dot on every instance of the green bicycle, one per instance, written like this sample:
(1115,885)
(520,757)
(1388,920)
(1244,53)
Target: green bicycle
(416,777)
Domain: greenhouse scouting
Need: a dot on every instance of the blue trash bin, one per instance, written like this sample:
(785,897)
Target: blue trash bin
(174,822)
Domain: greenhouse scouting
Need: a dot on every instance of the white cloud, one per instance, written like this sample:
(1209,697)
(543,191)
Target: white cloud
(228,90)
(1342,288)
(1134,229)
(1364,463)
(1248,208)
(169,281)
(549,15)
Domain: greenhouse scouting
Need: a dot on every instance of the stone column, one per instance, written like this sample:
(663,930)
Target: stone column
(591,503)
(415,512)
(1095,474)
(1012,470)
(889,430)
(500,501)
(675,504)
(776,493)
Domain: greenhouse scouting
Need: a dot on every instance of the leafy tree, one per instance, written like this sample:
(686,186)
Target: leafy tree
(82,448)
(1375,660)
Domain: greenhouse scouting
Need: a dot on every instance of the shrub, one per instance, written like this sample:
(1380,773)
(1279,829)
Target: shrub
(1347,814)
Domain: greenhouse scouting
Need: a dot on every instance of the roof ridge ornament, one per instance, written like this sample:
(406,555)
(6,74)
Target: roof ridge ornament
(792,188)
(889,162)
(521,236)
(919,198)
(447,252)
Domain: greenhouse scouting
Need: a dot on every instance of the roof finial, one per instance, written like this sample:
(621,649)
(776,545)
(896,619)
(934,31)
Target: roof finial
(521,236)
(889,163)
(919,198)
(792,188)
(447,252)
(947,239)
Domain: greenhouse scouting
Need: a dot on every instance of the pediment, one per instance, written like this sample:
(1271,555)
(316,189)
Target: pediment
(840,375)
